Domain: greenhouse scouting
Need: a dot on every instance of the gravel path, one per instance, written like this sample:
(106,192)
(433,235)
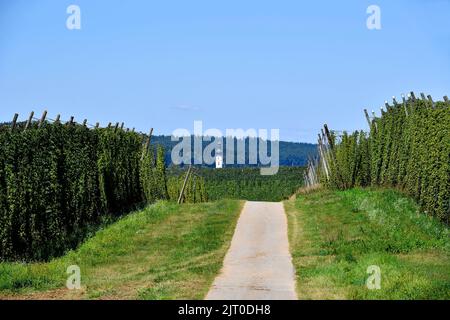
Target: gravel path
(258,264)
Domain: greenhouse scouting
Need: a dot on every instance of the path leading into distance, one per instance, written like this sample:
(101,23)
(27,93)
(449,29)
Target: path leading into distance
(258,265)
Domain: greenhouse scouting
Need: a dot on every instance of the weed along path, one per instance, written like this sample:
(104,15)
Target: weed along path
(258,265)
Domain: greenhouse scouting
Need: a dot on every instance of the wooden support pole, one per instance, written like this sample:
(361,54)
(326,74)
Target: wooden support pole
(42,120)
(58,116)
(326,147)
(97,125)
(313,171)
(394,101)
(308,176)
(309,164)
(121,126)
(413,96)
(311,168)
(323,135)
(311,181)
(71,120)
(13,124)
(367,118)
(328,135)
(405,106)
(30,118)
(333,157)
(109,125)
(375,120)
(422,95)
(116,126)
(84,122)
(193,187)
(322,156)
(180,198)
(149,137)
(431,100)
(316,166)
(316,174)
(147,144)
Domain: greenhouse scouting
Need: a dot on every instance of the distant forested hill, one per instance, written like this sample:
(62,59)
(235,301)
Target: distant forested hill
(291,153)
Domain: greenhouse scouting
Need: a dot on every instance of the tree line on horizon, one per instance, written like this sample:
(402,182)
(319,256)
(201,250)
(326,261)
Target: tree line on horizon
(291,153)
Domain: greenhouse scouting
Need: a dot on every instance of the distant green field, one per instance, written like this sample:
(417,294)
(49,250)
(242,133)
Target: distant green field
(249,184)
(166,251)
(336,235)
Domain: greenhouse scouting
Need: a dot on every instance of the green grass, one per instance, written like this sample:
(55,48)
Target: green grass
(336,235)
(165,251)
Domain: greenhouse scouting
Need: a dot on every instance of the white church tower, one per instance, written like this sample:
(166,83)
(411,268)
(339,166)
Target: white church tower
(219,156)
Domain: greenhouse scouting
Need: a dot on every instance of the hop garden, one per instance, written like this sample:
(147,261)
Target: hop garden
(407,148)
(59,181)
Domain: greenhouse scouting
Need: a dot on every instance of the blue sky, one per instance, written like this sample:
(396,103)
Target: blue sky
(290,65)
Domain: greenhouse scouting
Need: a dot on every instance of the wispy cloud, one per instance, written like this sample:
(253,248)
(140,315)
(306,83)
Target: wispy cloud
(186,107)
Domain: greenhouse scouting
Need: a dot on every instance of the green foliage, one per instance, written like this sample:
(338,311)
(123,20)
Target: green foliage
(161,183)
(58,181)
(119,154)
(249,184)
(195,190)
(407,148)
(147,176)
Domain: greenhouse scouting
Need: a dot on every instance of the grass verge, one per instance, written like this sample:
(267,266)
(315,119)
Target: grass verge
(166,251)
(336,235)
